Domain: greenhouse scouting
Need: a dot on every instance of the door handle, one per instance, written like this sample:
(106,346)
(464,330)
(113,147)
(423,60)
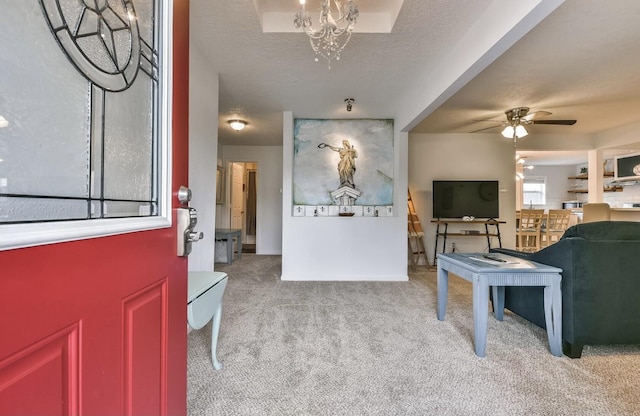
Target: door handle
(187,220)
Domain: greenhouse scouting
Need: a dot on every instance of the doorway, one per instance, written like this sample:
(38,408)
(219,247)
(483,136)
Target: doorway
(243,210)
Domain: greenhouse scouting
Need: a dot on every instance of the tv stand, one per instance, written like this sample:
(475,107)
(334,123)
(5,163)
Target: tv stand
(446,233)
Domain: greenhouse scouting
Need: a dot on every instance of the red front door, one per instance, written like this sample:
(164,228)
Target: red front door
(98,326)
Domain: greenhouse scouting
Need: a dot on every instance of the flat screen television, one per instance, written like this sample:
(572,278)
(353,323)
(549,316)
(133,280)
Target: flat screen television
(627,167)
(457,199)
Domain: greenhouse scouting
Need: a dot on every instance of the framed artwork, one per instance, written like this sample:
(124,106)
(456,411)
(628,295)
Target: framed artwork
(343,162)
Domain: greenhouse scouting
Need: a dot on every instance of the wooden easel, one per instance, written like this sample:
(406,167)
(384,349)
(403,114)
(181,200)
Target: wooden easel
(415,235)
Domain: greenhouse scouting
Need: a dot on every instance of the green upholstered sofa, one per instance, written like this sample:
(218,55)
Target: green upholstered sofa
(600,285)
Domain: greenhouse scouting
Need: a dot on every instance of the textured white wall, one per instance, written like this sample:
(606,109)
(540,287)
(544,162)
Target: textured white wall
(462,157)
(203,153)
(344,248)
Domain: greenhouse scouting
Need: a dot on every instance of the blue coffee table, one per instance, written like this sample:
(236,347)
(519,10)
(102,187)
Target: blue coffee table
(483,272)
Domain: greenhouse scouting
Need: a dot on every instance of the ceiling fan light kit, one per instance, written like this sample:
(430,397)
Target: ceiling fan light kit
(519,131)
(517,118)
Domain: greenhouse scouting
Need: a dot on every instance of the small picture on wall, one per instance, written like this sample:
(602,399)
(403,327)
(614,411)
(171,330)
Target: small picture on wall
(343,162)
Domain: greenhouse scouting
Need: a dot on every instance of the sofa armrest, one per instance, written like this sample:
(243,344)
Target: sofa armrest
(509,252)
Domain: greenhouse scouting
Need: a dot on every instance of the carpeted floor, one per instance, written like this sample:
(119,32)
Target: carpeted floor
(377,348)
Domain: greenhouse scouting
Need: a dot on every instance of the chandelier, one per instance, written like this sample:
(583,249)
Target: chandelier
(334,33)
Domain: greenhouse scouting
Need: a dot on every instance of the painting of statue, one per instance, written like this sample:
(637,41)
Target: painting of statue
(347,163)
(326,153)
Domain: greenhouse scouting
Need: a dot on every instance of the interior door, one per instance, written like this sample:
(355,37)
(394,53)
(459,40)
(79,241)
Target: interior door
(251,209)
(237,195)
(98,326)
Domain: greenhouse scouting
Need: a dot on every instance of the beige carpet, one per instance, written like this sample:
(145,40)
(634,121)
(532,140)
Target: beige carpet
(376,348)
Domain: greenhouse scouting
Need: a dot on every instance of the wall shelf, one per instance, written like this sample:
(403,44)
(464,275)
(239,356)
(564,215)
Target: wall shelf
(584,191)
(585,176)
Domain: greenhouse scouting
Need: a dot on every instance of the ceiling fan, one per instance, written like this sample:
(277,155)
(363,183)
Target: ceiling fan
(518,118)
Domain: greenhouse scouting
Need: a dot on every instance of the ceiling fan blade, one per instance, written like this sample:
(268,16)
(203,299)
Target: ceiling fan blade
(561,122)
(536,114)
(486,128)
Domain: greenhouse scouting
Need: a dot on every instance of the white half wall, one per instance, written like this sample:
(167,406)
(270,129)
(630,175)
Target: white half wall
(344,248)
(203,153)
(269,197)
(462,157)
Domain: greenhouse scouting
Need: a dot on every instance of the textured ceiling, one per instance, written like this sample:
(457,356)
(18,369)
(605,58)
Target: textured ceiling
(263,74)
(581,62)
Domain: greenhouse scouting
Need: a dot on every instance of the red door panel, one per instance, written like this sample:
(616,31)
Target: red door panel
(49,367)
(98,326)
(144,340)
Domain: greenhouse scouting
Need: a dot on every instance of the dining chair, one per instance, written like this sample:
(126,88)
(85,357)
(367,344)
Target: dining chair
(596,211)
(528,231)
(557,221)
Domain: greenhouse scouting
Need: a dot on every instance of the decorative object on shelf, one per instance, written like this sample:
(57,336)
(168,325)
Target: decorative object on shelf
(584,170)
(237,125)
(334,33)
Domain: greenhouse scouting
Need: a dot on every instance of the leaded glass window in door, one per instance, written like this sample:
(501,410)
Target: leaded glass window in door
(81,92)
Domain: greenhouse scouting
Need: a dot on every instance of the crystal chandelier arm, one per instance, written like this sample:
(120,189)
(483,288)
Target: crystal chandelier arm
(339,8)
(315,34)
(333,34)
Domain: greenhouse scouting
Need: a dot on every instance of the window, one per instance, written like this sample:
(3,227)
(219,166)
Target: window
(84,131)
(534,190)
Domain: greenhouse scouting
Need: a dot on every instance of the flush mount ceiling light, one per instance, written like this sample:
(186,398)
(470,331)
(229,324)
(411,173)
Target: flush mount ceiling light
(237,125)
(334,33)
(3,122)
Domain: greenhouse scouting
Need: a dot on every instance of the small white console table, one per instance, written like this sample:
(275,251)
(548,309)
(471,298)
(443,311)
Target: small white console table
(484,272)
(204,303)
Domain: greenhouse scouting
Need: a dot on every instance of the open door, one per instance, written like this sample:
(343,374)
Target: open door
(95,326)
(237,197)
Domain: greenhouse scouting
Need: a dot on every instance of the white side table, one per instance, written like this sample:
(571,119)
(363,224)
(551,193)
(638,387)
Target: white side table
(205,303)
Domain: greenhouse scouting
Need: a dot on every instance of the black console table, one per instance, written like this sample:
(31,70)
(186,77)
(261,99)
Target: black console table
(446,233)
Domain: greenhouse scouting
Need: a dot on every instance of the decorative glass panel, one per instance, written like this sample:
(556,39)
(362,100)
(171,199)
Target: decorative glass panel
(44,147)
(41,209)
(116,209)
(128,130)
(81,98)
